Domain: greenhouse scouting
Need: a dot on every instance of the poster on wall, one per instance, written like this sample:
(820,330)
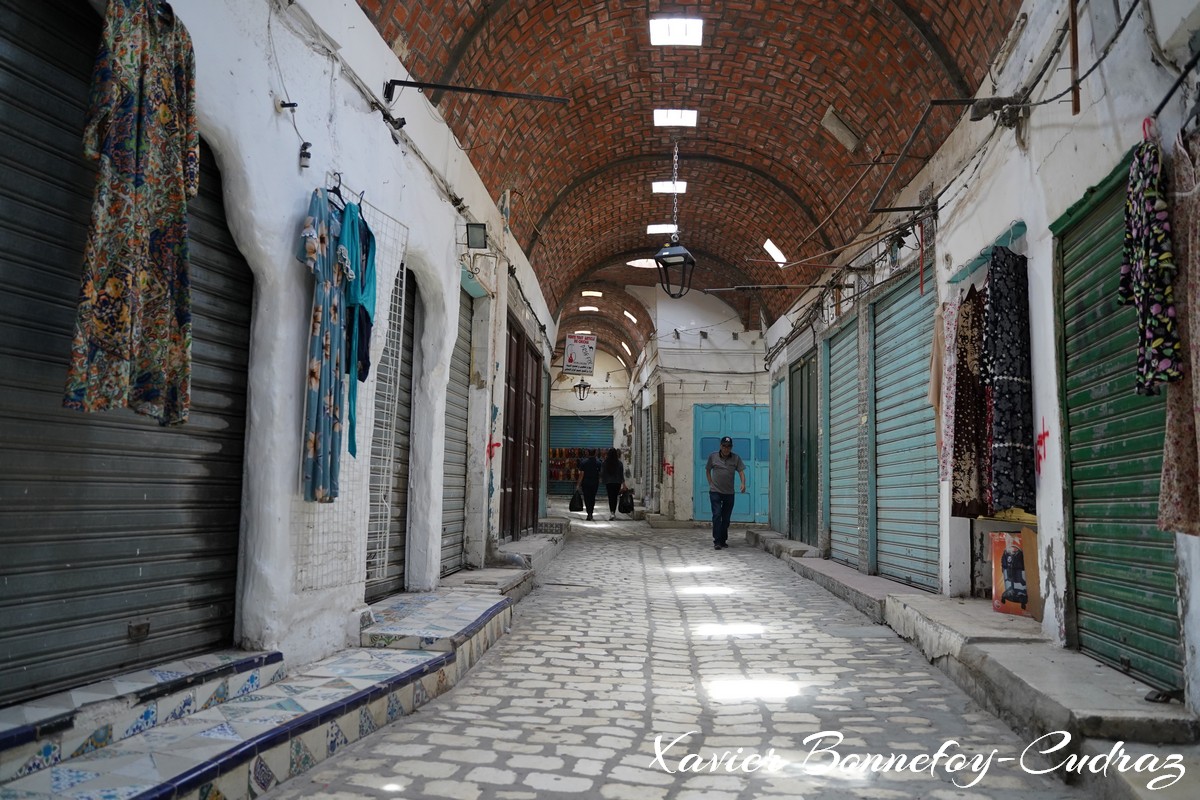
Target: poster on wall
(1015,580)
(580,355)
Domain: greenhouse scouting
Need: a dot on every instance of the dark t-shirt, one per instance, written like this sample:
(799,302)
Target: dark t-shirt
(614,475)
(590,467)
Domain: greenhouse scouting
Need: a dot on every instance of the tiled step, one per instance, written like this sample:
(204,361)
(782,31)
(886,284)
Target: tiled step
(244,747)
(49,730)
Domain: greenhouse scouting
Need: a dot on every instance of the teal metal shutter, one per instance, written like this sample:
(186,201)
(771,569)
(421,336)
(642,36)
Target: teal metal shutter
(1126,608)
(842,430)
(119,538)
(906,478)
(571,436)
(779,453)
(387,534)
(454,483)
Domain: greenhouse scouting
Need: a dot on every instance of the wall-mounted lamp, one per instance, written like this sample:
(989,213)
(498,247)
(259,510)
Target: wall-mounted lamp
(582,388)
(477,235)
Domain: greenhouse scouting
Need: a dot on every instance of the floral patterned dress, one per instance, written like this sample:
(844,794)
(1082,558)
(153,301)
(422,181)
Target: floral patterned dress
(1179,495)
(970,444)
(1148,270)
(133,329)
(324,418)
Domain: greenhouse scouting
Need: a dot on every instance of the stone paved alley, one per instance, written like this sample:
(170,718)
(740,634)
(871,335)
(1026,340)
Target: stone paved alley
(637,633)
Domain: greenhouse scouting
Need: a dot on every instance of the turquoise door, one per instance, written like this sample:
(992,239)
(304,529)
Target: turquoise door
(750,428)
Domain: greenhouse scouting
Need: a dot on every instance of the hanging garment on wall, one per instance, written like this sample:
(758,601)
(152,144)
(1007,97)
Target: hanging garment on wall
(1179,495)
(1148,270)
(1007,373)
(949,374)
(357,244)
(133,329)
(970,410)
(325,400)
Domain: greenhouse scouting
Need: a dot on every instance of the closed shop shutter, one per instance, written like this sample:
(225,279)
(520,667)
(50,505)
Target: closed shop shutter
(387,532)
(843,445)
(454,486)
(779,409)
(1126,606)
(119,537)
(906,487)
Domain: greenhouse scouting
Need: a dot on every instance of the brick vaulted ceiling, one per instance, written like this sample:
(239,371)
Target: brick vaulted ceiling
(758,165)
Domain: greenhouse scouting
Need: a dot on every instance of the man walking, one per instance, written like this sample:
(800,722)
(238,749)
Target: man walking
(719,472)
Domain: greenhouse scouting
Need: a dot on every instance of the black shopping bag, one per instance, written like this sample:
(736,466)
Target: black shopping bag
(577,501)
(625,502)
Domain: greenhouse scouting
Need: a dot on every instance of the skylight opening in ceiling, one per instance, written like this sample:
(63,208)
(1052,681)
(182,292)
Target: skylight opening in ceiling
(642,263)
(661,227)
(589,308)
(591,293)
(632,318)
(675,117)
(775,252)
(669,187)
(583,333)
(628,352)
(681,31)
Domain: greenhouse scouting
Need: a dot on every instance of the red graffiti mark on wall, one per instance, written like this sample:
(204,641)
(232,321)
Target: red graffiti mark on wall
(491,449)
(1040,450)
(668,468)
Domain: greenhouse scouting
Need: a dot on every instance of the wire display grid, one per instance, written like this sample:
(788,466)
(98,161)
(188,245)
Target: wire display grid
(328,538)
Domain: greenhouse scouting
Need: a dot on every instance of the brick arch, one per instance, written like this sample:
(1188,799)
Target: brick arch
(763,80)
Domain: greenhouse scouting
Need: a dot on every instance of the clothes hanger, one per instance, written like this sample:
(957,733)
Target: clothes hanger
(336,191)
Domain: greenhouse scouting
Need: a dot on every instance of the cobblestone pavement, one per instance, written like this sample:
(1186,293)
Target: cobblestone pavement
(637,634)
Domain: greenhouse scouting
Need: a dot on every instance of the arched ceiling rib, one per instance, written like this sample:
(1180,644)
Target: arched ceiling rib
(758,165)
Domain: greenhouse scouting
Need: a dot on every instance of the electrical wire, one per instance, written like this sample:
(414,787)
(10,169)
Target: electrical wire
(1100,60)
(279,72)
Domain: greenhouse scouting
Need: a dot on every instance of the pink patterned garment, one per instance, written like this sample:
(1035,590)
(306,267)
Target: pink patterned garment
(949,361)
(1179,496)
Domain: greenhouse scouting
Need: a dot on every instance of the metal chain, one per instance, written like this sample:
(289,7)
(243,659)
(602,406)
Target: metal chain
(675,191)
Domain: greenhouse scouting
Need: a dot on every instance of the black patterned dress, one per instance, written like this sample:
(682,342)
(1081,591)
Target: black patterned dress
(1007,373)
(1148,271)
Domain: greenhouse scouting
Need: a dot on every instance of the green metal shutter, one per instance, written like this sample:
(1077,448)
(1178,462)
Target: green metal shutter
(1126,607)
(120,538)
(843,444)
(779,442)
(454,484)
(906,489)
(390,445)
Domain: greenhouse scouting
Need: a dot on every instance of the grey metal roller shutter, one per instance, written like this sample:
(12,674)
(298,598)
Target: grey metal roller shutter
(1124,567)
(390,445)
(842,430)
(119,537)
(454,487)
(906,488)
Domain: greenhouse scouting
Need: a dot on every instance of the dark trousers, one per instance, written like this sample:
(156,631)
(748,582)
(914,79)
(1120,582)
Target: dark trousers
(589,495)
(614,491)
(722,510)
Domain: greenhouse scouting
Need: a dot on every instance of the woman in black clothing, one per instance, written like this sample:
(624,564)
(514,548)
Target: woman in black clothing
(612,475)
(588,480)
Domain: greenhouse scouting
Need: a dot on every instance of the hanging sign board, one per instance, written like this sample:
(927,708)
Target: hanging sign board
(580,355)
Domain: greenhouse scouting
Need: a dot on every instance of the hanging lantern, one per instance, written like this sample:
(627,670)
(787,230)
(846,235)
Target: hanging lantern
(582,388)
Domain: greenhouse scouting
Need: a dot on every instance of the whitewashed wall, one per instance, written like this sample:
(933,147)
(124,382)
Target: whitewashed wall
(326,56)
